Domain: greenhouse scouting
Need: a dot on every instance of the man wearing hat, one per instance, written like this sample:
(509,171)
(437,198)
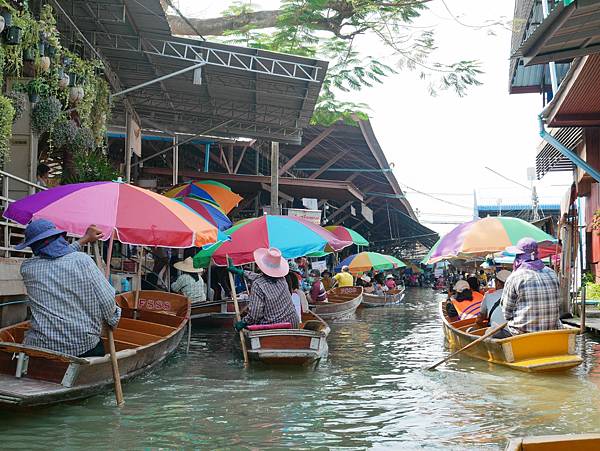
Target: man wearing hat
(270,300)
(189,283)
(490,309)
(69,297)
(531,295)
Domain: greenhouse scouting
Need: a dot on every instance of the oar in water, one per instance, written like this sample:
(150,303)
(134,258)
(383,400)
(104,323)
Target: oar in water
(111,338)
(238,317)
(473,343)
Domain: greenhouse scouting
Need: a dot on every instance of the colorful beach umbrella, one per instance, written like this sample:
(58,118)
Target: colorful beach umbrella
(484,236)
(137,216)
(208,211)
(367,261)
(347,234)
(294,237)
(214,192)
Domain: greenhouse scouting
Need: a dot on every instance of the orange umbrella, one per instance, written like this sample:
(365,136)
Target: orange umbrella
(218,192)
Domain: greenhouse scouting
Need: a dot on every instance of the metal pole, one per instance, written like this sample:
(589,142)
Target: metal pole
(275,178)
(582,315)
(206,156)
(127,147)
(175,160)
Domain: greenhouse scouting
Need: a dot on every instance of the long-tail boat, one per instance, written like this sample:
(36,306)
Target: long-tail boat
(144,337)
(390,297)
(551,350)
(570,442)
(215,314)
(272,344)
(342,303)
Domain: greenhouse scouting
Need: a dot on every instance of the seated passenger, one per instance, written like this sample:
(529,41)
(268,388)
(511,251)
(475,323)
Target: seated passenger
(270,300)
(344,278)
(463,305)
(531,295)
(491,308)
(317,290)
(69,297)
(189,283)
(390,283)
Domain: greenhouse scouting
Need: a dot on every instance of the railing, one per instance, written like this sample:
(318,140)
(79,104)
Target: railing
(9,228)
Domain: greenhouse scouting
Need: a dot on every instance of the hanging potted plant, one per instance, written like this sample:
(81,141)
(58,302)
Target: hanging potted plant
(19,103)
(29,54)
(7,16)
(45,114)
(44,63)
(35,88)
(76,93)
(14,35)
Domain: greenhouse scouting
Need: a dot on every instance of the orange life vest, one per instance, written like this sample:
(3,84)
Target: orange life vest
(469,308)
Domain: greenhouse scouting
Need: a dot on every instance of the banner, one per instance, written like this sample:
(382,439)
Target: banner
(321,265)
(308,215)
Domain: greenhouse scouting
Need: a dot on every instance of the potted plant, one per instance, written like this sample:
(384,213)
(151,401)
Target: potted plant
(7,113)
(29,54)
(35,88)
(7,16)
(45,113)
(14,35)
(18,100)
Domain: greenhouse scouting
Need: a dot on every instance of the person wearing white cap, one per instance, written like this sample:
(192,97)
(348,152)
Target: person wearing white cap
(491,310)
(344,278)
(463,304)
(189,283)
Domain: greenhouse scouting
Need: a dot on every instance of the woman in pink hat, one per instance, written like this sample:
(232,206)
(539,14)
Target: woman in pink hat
(270,298)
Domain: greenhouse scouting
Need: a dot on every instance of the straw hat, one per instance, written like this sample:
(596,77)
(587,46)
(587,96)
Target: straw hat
(187,265)
(503,275)
(271,262)
(461,286)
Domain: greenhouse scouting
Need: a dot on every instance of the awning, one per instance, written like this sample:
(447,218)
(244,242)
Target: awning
(568,32)
(549,158)
(237,91)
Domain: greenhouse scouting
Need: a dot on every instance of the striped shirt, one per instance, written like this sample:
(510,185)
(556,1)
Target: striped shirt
(530,301)
(70,300)
(191,288)
(270,301)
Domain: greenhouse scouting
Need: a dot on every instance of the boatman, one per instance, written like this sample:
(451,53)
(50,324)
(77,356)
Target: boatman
(531,295)
(270,300)
(344,278)
(69,297)
(491,310)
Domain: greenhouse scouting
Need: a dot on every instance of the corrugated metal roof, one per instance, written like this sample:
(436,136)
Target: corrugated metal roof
(549,159)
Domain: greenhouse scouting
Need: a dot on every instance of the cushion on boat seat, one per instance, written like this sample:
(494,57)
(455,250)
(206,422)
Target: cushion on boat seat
(270,326)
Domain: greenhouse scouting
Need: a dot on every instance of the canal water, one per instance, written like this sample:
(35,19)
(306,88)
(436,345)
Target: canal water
(371,393)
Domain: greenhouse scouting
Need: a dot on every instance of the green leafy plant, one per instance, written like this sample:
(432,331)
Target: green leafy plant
(45,114)
(7,113)
(91,166)
(592,291)
(83,140)
(19,103)
(63,134)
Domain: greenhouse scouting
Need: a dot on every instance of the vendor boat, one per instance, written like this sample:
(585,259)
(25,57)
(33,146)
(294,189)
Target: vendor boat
(31,376)
(571,442)
(280,344)
(215,314)
(390,297)
(552,350)
(342,303)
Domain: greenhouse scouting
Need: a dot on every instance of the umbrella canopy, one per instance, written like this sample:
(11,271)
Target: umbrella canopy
(136,215)
(207,210)
(294,237)
(367,261)
(346,234)
(214,192)
(484,236)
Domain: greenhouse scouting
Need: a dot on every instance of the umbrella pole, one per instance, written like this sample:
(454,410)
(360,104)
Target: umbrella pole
(138,284)
(238,316)
(111,339)
(208,280)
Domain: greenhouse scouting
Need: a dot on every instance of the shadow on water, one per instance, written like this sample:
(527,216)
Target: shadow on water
(372,392)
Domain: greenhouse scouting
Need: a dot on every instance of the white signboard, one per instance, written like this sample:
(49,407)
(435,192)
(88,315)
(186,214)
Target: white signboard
(135,137)
(311,204)
(321,265)
(366,213)
(308,215)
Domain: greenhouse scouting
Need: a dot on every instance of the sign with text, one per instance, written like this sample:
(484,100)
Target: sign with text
(366,213)
(308,215)
(321,265)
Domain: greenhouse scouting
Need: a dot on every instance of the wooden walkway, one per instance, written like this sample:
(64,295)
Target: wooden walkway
(591,324)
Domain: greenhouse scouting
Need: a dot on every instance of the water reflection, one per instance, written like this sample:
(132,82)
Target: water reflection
(372,392)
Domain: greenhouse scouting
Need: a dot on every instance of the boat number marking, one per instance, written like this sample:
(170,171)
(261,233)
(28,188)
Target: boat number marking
(151,304)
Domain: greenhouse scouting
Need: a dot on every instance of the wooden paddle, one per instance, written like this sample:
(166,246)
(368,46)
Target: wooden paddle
(238,316)
(111,339)
(473,343)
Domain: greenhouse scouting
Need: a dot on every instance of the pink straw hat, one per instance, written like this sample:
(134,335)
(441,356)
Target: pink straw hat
(271,262)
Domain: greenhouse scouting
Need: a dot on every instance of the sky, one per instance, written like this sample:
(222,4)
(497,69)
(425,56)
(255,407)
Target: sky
(441,145)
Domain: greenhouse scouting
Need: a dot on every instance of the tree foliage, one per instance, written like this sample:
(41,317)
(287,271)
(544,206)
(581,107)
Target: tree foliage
(332,29)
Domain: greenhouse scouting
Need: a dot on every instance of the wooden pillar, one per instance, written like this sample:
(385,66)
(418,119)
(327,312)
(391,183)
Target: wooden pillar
(275,178)
(175,160)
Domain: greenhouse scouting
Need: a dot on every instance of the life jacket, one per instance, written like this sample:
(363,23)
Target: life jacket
(468,308)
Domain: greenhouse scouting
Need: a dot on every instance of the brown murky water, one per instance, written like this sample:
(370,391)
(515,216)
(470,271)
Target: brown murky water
(371,393)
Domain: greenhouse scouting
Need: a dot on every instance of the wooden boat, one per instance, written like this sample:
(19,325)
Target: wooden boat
(570,442)
(343,302)
(216,314)
(390,297)
(303,346)
(552,350)
(39,376)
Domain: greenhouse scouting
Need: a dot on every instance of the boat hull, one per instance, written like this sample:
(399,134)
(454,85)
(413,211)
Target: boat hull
(372,300)
(552,350)
(571,442)
(215,314)
(342,304)
(142,344)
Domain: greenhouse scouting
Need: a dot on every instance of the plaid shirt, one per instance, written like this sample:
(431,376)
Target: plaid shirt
(70,299)
(530,301)
(270,301)
(191,288)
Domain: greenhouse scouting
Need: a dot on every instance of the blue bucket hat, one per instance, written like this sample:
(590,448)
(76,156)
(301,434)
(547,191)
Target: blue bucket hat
(37,230)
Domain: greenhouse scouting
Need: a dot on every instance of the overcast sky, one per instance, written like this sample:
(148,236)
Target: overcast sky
(441,145)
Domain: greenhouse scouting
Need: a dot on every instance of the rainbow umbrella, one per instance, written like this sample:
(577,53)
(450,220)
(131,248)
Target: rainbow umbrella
(136,216)
(214,192)
(367,261)
(480,237)
(347,234)
(294,237)
(208,211)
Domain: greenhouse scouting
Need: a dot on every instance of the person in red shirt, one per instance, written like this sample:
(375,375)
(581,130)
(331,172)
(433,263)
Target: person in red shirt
(390,282)
(317,290)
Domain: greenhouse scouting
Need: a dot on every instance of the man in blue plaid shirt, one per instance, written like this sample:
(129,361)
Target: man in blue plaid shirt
(69,297)
(531,296)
